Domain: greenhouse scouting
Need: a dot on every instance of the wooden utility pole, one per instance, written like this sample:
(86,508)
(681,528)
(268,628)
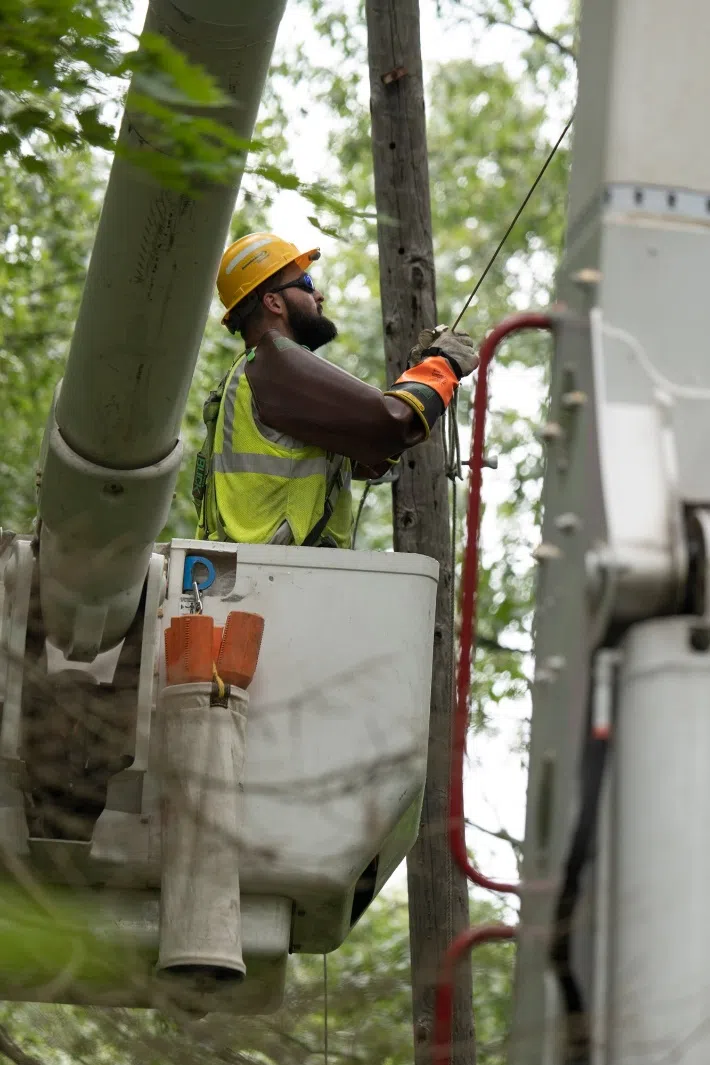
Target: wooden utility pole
(438,896)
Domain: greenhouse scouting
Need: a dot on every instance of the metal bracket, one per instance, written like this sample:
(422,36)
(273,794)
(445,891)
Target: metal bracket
(17,582)
(645,548)
(394,75)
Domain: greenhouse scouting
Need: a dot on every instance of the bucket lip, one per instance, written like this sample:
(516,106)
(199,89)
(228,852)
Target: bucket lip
(202,687)
(275,557)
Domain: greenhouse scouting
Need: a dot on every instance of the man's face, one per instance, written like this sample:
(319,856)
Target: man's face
(305,317)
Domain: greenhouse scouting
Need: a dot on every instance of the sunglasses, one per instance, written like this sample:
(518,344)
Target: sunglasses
(305,282)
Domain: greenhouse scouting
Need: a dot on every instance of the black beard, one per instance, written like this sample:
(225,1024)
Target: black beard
(310,330)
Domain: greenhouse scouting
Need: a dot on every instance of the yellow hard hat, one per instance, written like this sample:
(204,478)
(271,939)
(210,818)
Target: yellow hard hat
(253,259)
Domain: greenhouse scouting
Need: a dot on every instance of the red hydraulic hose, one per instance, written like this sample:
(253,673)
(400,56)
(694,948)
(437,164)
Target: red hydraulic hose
(472,937)
(469,584)
(444,1002)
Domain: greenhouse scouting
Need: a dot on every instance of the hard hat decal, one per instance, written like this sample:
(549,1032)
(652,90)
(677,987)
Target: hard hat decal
(243,254)
(258,258)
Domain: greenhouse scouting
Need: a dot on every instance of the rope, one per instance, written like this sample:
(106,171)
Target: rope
(325,1009)
(218,681)
(452,452)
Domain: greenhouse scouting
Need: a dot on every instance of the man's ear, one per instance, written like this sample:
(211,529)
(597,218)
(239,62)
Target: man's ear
(273,303)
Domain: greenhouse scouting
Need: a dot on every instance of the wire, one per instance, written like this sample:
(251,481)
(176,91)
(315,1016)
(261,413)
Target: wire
(325,1009)
(361,504)
(510,228)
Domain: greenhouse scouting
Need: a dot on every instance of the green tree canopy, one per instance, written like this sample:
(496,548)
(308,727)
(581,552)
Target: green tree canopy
(369,1012)
(489,130)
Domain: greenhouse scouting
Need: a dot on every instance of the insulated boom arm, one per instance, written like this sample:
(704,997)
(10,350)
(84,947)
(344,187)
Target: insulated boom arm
(112,452)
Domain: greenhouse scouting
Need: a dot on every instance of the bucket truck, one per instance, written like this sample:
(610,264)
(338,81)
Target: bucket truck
(201,829)
(622,630)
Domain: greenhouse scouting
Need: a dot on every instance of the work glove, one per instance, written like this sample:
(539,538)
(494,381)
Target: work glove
(456,348)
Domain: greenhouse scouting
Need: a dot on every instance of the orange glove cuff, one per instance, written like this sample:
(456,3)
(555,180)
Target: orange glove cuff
(437,373)
(427,388)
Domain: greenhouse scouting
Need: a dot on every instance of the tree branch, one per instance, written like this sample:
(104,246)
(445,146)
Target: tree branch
(548,38)
(516,844)
(533,30)
(10,1049)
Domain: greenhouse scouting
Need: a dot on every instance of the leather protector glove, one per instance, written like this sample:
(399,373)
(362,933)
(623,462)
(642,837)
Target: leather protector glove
(441,359)
(457,348)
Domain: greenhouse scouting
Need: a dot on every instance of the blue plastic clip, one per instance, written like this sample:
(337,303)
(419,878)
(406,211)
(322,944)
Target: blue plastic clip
(187,579)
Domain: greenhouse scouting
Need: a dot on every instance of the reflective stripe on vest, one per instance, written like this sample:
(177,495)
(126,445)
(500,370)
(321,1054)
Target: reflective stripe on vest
(260,479)
(272,465)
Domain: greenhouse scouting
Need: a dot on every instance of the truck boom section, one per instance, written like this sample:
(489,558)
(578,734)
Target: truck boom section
(112,448)
(607,972)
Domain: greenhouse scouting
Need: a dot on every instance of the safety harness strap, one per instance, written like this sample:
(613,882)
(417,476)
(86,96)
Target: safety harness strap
(210,413)
(335,485)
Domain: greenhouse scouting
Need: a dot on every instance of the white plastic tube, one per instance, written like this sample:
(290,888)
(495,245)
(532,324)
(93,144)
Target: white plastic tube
(203,749)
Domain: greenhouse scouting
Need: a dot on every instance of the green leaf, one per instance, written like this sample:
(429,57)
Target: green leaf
(64,136)
(9,142)
(95,131)
(328,230)
(34,165)
(29,119)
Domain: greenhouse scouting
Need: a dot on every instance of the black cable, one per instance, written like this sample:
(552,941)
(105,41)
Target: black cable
(356,523)
(578,1041)
(509,230)
(325,1009)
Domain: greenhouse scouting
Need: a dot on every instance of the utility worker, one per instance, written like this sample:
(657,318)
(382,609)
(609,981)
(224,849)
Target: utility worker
(287,430)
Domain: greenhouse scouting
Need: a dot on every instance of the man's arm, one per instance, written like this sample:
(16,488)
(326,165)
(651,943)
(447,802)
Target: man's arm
(298,393)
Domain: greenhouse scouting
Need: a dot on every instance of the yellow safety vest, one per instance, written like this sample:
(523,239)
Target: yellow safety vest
(256,485)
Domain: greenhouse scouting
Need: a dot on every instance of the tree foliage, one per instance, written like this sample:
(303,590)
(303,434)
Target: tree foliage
(490,127)
(369,1012)
(53,54)
(63,67)
(45,246)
